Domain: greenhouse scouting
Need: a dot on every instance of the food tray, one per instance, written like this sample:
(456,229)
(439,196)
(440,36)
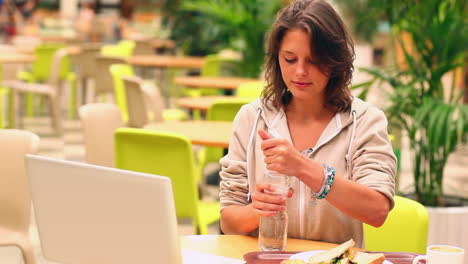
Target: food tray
(275,257)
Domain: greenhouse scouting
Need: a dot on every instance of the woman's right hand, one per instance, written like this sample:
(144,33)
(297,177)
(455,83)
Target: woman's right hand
(265,203)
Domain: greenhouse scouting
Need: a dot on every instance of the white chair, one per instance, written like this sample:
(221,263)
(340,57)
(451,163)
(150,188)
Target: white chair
(15,198)
(103,82)
(86,62)
(99,122)
(51,89)
(145,105)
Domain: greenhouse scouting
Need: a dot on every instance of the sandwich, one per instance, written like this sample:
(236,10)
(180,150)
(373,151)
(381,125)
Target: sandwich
(339,255)
(342,254)
(368,258)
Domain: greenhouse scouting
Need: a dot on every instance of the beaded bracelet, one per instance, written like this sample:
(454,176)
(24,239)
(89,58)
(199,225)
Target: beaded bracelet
(328,178)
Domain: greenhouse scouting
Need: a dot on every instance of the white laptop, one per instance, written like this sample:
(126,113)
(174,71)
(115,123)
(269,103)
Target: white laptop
(89,214)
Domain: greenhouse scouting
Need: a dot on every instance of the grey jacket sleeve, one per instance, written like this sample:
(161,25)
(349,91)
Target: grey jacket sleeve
(373,162)
(234,181)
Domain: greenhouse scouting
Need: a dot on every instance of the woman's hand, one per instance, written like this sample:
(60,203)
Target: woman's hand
(280,155)
(267,204)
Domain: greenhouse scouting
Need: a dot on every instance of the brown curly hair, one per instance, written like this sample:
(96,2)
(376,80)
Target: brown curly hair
(330,43)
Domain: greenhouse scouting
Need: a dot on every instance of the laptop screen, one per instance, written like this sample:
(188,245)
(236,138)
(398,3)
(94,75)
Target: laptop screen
(92,214)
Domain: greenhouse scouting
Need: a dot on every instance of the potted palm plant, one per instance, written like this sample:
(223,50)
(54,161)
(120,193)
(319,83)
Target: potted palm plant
(243,25)
(433,38)
(435,121)
(193,31)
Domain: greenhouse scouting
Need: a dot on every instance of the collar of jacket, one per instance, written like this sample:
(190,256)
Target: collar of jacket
(273,117)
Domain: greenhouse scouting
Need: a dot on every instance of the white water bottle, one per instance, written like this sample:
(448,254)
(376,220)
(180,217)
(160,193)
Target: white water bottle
(273,231)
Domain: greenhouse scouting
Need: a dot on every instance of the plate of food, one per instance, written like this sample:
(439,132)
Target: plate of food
(342,254)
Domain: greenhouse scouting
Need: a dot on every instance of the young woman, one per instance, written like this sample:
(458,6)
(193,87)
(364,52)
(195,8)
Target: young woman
(335,147)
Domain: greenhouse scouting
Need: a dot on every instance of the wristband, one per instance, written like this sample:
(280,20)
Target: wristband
(328,179)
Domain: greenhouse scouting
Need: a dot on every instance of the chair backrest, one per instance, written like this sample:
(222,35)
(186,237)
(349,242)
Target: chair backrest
(44,57)
(99,122)
(123,49)
(15,198)
(161,153)
(226,109)
(143,47)
(218,66)
(221,110)
(143,103)
(406,229)
(87,60)
(118,71)
(55,74)
(127,47)
(103,82)
(136,105)
(250,89)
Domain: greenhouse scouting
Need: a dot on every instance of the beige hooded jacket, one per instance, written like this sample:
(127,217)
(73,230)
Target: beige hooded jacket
(355,143)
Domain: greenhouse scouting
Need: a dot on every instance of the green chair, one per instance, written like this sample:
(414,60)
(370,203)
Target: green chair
(250,89)
(170,155)
(214,66)
(51,90)
(41,70)
(41,66)
(127,47)
(118,71)
(3,94)
(123,48)
(405,230)
(221,110)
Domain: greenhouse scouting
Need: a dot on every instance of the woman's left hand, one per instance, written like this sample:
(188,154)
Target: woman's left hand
(280,155)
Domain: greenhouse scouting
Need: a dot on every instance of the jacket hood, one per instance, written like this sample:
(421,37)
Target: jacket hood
(270,115)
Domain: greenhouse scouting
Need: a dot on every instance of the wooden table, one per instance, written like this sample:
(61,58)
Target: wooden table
(235,246)
(226,83)
(167,61)
(57,38)
(162,43)
(163,63)
(202,103)
(16,58)
(205,133)
(72,50)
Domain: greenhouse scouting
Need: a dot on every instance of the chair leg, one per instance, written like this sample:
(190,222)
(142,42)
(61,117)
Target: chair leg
(27,250)
(12,102)
(73,95)
(196,114)
(29,256)
(201,229)
(55,114)
(29,104)
(84,90)
(2,98)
